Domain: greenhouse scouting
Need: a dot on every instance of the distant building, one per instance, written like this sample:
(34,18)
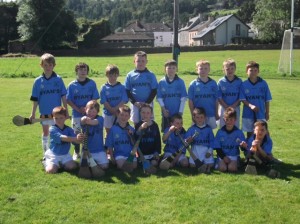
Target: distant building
(223,30)
(139,34)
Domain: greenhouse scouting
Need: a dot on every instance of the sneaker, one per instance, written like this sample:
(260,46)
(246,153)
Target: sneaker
(76,156)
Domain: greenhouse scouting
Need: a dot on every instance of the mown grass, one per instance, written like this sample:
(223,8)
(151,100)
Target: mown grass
(28,195)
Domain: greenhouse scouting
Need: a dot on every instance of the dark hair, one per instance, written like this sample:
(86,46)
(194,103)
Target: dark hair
(124,108)
(82,65)
(59,110)
(112,69)
(252,64)
(140,54)
(175,116)
(146,105)
(229,113)
(199,110)
(170,62)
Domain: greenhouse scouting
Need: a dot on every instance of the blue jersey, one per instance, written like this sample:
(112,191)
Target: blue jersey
(229,91)
(80,93)
(57,146)
(171,93)
(257,94)
(113,95)
(173,143)
(118,138)
(204,94)
(229,141)
(48,92)
(267,144)
(140,84)
(205,137)
(95,137)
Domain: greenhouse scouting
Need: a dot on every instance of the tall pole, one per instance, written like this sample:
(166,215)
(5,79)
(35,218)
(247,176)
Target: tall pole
(292,37)
(175,46)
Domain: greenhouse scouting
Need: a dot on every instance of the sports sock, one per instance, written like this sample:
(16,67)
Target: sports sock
(45,143)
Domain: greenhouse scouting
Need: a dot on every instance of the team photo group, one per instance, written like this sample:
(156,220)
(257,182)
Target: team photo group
(125,135)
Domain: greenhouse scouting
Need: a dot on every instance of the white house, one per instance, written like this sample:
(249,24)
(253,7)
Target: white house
(223,30)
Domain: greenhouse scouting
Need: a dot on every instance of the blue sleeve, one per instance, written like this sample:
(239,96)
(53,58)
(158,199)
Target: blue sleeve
(154,83)
(102,95)
(127,82)
(124,95)
(63,88)
(96,95)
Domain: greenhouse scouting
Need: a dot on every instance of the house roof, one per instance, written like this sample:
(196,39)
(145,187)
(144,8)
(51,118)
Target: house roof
(191,23)
(213,25)
(148,27)
(129,36)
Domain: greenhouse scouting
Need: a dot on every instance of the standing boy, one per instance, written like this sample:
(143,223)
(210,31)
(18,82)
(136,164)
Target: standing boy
(229,91)
(141,85)
(227,142)
(48,92)
(60,138)
(150,143)
(256,96)
(202,92)
(118,140)
(79,92)
(171,94)
(112,95)
(93,123)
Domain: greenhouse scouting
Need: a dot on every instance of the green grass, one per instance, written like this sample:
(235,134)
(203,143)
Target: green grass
(28,195)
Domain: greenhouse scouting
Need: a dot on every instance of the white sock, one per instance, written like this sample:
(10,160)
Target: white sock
(45,143)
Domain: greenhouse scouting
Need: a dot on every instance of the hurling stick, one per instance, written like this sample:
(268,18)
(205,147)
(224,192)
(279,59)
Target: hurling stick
(128,164)
(84,170)
(21,121)
(199,165)
(147,166)
(166,163)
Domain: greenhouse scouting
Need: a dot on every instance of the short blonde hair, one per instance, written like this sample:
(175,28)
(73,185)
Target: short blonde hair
(112,69)
(229,62)
(140,54)
(202,62)
(49,58)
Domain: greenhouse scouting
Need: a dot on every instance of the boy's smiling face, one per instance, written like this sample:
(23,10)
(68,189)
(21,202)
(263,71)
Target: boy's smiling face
(140,62)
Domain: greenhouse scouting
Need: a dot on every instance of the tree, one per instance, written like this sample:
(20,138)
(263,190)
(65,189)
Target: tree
(246,11)
(8,24)
(271,18)
(46,22)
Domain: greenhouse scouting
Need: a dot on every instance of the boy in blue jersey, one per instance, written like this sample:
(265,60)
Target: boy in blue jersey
(118,140)
(256,96)
(202,145)
(171,94)
(60,138)
(227,142)
(94,123)
(79,92)
(48,92)
(112,95)
(229,91)
(260,144)
(172,141)
(141,86)
(150,143)
(203,92)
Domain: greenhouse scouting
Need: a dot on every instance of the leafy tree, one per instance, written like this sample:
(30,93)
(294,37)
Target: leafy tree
(46,22)
(247,11)
(8,24)
(271,25)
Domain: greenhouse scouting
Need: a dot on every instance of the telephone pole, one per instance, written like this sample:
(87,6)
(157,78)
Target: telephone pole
(175,46)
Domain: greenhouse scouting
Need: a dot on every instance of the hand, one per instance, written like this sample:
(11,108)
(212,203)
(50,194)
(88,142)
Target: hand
(82,110)
(80,137)
(172,128)
(253,107)
(243,144)
(32,116)
(144,125)
(85,120)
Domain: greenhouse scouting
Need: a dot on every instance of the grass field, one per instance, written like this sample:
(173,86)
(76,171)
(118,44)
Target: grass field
(28,195)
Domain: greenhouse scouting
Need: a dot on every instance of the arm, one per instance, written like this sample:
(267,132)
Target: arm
(182,104)
(65,104)
(191,106)
(79,110)
(151,96)
(130,97)
(78,139)
(167,134)
(252,107)
(89,121)
(217,109)
(222,103)
(33,111)
(111,152)
(267,110)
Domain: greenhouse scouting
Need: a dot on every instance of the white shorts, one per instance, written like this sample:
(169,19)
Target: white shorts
(76,124)
(124,158)
(181,157)
(109,120)
(48,122)
(222,122)
(200,152)
(52,159)
(100,157)
(232,158)
(248,124)
(211,121)
(135,116)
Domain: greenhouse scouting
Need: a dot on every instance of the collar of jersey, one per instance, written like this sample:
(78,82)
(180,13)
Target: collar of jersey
(141,71)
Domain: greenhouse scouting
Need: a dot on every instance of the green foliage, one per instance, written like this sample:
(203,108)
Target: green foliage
(271,25)
(46,22)
(8,24)
(96,31)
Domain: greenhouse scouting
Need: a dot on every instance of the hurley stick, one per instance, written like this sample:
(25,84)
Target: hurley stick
(21,121)
(200,166)
(166,163)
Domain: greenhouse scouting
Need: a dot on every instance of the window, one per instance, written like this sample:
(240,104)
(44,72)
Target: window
(238,29)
